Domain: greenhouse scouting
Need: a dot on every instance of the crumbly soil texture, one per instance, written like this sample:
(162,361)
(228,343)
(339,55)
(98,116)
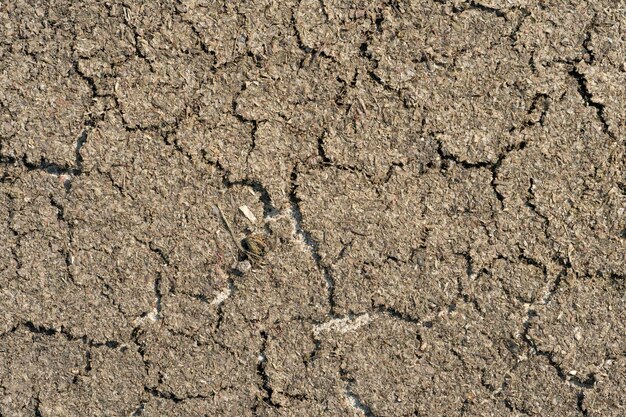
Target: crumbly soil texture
(436,190)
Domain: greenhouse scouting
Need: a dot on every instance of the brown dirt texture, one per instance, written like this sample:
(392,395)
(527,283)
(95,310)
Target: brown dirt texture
(427,202)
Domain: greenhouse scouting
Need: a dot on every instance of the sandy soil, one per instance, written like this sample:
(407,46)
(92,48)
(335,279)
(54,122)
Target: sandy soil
(439,187)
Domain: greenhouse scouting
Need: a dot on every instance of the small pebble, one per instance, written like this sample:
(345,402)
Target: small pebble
(243,267)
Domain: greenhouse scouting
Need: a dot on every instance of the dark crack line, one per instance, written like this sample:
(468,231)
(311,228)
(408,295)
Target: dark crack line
(311,243)
(48,331)
(492,389)
(170,396)
(203,45)
(509,405)
(580,403)
(326,161)
(253,123)
(66,251)
(447,156)
(158,290)
(159,297)
(269,210)
(220,306)
(53,168)
(473,5)
(587,383)
(384,309)
(354,399)
(140,409)
(492,166)
(300,43)
(166,131)
(385,86)
(321,151)
(89,124)
(469,270)
(587,46)
(531,205)
(38,407)
(513,35)
(617,280)
(533,262)
(591,58)
(590,380)
(60,210)
(49,167)
(324,10)
(253,132)
(141,348)
(88,366)
(365,53)
(538,99)
(163,395)
(313,355)
(136,38)
(150,245)
(585,94)
(88,79)
(392,168)
(7,160)
(11,330)
(262,371)
(77,155)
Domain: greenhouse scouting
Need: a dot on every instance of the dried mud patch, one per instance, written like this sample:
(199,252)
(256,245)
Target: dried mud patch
(437,189)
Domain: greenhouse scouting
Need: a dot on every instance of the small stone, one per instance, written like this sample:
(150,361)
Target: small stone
(243,267)
(245,210)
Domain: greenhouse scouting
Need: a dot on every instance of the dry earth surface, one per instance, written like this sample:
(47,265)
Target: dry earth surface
(443,183)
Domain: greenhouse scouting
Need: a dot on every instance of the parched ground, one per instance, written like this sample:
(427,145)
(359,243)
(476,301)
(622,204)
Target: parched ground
(443,183)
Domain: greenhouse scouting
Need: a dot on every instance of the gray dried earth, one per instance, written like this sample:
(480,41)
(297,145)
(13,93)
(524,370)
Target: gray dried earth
(443,181)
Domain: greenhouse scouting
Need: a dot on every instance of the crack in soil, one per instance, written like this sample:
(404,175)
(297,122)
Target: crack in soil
(585,94)
(140,409)
(49,331)
(159,297)
(311,243)
(513,35)
(492,166)
(66,251)
(300,43)
(580,403)
(326,161)
(474,5)
(587,383)
(262,371)
(531,205)
(253,123)
(353,398)
(139,41)
(590,380)
(471,275)
(392,312)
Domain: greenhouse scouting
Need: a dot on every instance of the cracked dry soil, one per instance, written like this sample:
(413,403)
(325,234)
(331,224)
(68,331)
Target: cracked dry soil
(445,181)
